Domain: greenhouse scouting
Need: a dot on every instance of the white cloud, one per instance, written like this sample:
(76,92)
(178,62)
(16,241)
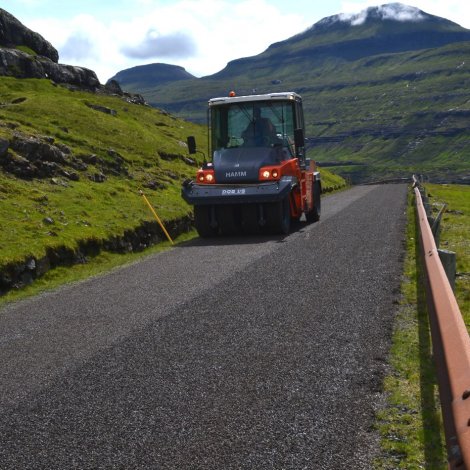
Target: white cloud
(400,13)
(174,46)
(210,32)
(457,11)
(207,34)
(78,47)
(394,11)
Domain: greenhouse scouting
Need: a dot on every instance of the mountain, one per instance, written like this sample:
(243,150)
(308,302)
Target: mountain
(385,91)
(144,76)
(389,28)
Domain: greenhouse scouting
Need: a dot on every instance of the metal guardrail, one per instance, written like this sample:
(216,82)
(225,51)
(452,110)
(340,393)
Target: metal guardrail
(451,346)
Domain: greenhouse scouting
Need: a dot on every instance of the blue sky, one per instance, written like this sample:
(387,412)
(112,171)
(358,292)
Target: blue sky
(200,35)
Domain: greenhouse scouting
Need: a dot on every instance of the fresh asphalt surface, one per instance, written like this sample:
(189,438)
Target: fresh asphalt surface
(247,353)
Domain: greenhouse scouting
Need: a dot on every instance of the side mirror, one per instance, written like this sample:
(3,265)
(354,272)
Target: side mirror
(191,141)
(299,138)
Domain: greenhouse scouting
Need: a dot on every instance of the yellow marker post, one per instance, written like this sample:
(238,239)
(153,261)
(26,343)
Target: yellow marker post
(156,217)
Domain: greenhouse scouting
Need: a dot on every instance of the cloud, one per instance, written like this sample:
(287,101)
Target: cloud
(77,47)
(392,11)
(199,35)
(453,10)
(398,12)
(176,45)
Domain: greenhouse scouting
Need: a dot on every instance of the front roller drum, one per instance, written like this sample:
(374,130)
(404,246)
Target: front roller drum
(250,218)
(278,218)
(229,219)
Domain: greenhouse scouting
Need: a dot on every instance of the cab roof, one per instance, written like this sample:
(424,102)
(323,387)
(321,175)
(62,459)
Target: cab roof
(288,95)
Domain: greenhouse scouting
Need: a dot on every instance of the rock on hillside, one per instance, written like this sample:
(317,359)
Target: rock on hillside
(41,61)
(16,63)
(13,34)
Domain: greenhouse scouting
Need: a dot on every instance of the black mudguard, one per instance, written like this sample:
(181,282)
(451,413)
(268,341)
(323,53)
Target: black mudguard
(205,194)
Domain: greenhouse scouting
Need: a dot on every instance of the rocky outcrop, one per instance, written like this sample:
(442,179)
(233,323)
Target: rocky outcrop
(18,64)
(13,34)
(26,54)
(30,157)
(112,87)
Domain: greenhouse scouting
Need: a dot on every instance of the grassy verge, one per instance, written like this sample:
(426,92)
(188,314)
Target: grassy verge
(331,181)
(100,264)
(411,423)
(455,236)
(41,213)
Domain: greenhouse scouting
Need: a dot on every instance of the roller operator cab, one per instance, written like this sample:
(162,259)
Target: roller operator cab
(259,178)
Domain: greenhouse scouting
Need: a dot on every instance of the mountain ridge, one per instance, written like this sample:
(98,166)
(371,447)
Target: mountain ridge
(367,82)
(151,74)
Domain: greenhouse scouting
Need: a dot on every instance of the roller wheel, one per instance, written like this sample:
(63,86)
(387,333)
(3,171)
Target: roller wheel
(202,221)
(250,219)
(278,216)
(314,214)
(229,219)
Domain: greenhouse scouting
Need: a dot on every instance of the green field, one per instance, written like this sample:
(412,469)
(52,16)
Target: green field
(455,236)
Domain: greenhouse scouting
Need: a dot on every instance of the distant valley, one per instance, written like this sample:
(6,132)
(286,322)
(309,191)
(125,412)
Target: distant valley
(385,92)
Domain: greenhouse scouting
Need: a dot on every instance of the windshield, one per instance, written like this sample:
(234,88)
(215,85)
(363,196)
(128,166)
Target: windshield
(255,124)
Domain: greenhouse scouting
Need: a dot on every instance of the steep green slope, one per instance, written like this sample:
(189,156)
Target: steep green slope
(71,167)
(110,151)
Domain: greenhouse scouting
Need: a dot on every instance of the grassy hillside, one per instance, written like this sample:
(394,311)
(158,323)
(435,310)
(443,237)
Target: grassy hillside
(130,147)
(391,113)
(43,212)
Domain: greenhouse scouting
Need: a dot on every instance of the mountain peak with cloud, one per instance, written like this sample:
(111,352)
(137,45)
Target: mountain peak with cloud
(388,12)
(396,15)
(385,29)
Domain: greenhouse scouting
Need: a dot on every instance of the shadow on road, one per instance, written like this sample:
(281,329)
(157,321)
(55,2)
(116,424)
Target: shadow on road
(243,239)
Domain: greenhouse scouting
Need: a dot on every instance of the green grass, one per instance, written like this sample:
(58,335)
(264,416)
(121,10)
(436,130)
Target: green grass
(84,210)
(26,49)
(455,236)
(411,424)
(331,180)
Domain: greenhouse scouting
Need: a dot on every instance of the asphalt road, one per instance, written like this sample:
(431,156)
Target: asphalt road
(249,353)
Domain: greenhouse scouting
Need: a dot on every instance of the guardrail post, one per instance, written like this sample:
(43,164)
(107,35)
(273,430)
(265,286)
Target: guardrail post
(436,225)
(449,263)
